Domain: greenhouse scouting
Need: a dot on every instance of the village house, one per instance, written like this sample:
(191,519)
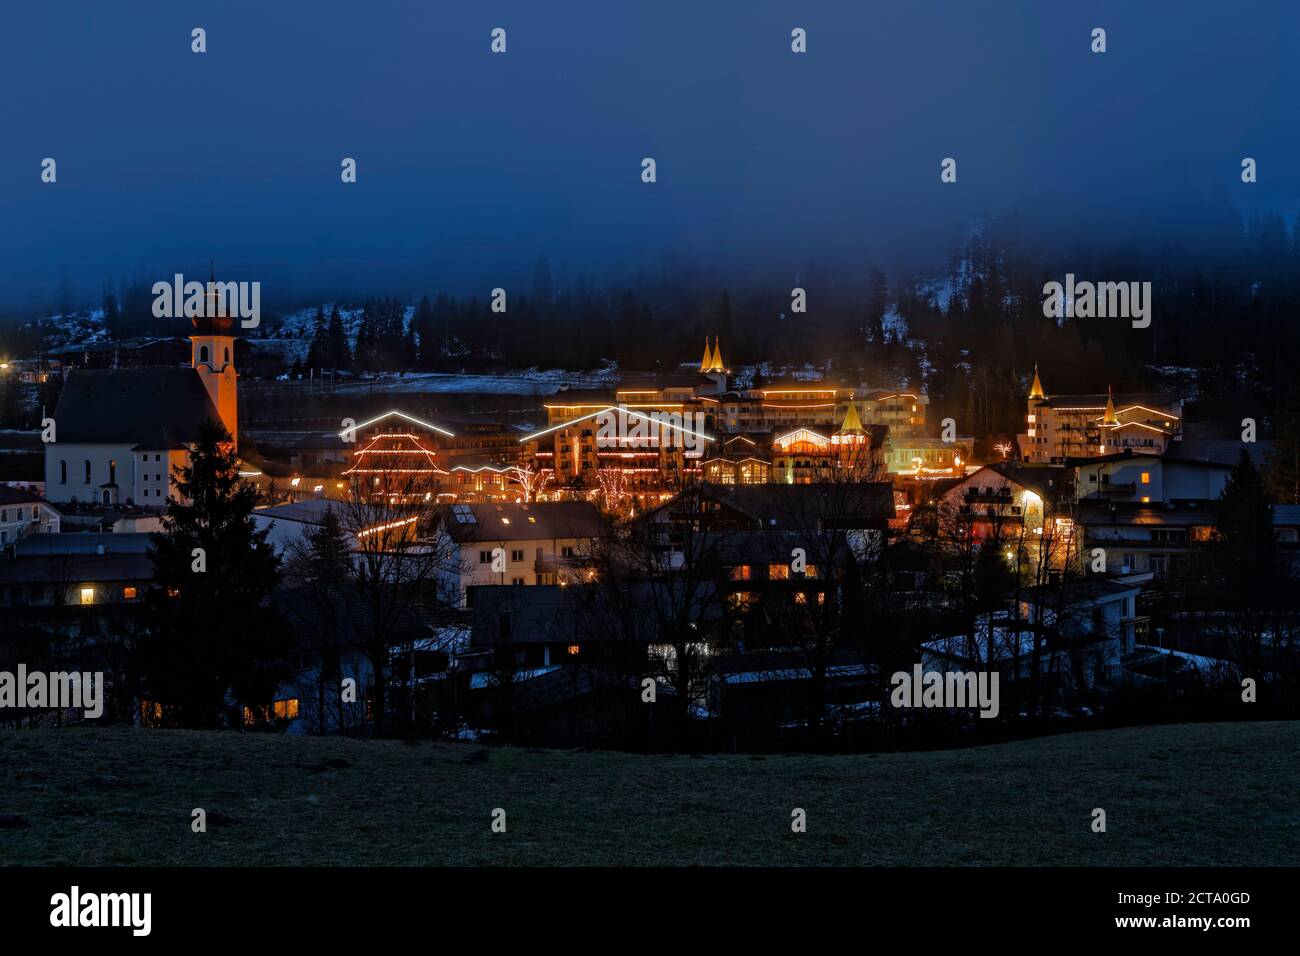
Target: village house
(514,544)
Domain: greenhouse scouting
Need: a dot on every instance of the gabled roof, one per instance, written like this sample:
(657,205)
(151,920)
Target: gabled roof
(18,496)
(399,414)
(133,406)
(1046,481)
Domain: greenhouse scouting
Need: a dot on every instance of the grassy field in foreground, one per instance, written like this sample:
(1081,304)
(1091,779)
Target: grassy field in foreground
(1202,794)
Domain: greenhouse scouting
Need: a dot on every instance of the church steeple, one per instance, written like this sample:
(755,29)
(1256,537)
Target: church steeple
(1036,389)
(707,362)
(1110,418)
(717,356)
(212,356)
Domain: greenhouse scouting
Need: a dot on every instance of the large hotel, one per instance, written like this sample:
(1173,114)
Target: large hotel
(1061,427)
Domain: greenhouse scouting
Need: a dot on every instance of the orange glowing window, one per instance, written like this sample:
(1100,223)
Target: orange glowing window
(778,572)
(128,594)
(740,572)
(574,649)
(286,709)
(1146,477)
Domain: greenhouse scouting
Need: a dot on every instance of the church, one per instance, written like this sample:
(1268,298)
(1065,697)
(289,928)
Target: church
(119,433)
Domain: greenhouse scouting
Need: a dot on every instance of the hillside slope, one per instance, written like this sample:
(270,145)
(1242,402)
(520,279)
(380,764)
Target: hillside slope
(1200,794)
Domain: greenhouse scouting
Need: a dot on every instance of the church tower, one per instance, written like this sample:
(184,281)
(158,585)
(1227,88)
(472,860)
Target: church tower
(212,356)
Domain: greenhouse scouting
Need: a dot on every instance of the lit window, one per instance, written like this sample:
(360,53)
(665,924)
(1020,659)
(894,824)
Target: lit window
(778,572)
(128,594)
(1146,477)
(286,709)
(740,572)
(1146,499)
(87,595)
(574,648)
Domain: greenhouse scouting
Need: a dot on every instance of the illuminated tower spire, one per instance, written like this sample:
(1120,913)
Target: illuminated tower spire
(1110,418)
(707,362)
(852,424)
(1036,389)
(717,356)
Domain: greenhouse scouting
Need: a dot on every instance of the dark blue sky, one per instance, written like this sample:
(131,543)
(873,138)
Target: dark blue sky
(471,165)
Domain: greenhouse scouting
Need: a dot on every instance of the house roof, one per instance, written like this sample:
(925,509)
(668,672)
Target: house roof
(1151,399)
(307,511)
(1043,480)
(1214,452)
(1092,513)
(18,496)
(75,568)
(133,406)
(45,545)
(521,522)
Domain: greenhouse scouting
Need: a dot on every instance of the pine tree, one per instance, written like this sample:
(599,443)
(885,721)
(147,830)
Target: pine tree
(316,352)
(336,352)
(1244,559)
(212,637)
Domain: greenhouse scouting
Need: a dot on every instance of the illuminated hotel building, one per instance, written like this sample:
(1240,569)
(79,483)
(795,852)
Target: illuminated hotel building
(1059,427)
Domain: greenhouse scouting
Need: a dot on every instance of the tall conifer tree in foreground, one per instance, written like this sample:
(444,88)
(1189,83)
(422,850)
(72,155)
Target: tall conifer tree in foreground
(213,644)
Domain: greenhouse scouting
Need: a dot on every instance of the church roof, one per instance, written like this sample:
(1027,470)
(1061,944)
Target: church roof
(154,407)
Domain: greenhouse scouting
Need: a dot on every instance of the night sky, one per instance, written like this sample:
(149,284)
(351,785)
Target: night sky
(472,164)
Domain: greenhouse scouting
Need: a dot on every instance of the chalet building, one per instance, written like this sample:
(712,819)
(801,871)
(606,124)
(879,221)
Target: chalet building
(1008,494)
(514,544)
(23,513)
(741,460)
(712,524)
(648,454)
(121,432)
(852,452)
(1060,427)
(920,458)
(74,571)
